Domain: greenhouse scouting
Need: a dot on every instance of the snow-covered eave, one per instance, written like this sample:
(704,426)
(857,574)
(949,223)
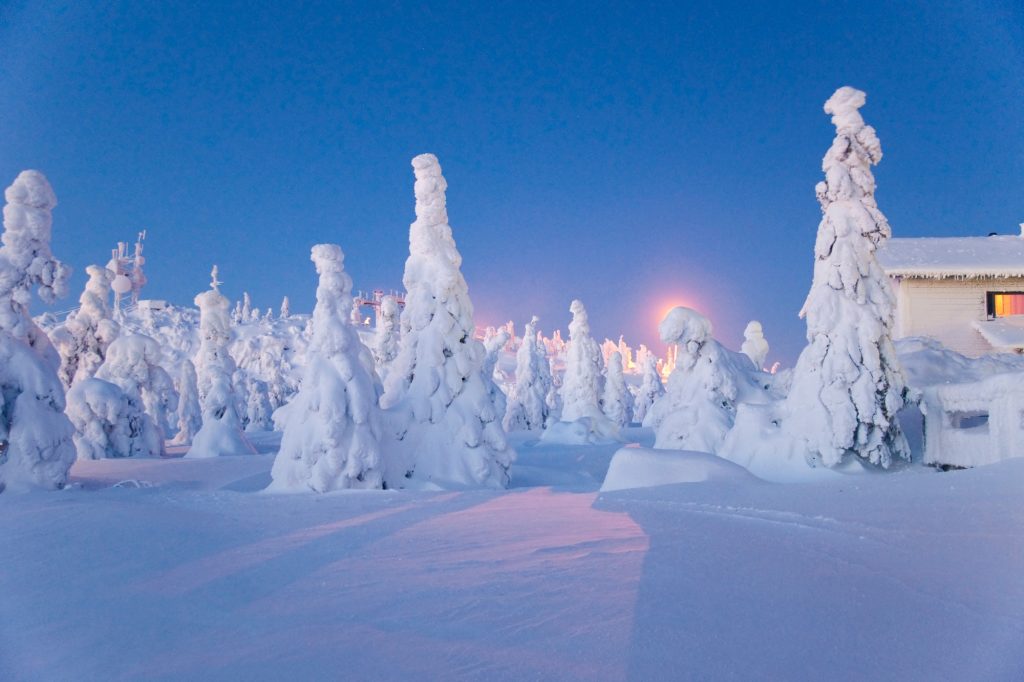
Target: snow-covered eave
(964,274)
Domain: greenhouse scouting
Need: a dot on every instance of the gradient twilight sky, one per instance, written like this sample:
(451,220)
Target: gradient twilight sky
(630,156)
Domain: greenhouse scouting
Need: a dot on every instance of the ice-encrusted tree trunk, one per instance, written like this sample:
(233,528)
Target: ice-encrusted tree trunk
(616,400)
(190,415)
(581,385)
(527,408)
(332,434)
(447,428)
(36,449)
(386,335)
(848,384)
(83,338)
(651,386)
(755,346)
(221,432)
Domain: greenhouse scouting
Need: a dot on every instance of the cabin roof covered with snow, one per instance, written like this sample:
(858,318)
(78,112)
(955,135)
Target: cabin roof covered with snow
(961,257)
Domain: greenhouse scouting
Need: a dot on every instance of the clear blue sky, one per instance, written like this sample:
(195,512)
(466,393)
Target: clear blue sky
(631,156)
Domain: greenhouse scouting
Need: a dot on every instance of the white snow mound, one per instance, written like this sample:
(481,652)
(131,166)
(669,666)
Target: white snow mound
(633,467)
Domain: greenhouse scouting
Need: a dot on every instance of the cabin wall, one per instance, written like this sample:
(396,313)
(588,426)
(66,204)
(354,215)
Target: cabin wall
(944,309)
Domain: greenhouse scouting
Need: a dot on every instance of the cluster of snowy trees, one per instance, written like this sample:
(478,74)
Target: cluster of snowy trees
(420,401)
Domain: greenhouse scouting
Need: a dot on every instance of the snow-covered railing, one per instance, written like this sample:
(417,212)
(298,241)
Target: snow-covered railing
(972,424)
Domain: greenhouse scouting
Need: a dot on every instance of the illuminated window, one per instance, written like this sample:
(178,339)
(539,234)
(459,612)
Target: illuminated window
(1003,303)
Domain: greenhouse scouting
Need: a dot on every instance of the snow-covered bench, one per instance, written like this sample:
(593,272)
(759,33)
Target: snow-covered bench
(975,423)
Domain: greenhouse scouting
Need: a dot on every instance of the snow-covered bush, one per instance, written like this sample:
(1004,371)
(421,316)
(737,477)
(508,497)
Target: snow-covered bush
(651,387)
(110,423)
(36,448)
(527,408)
(616,400)
(847,384)
(332,433)
(386,335)
(221,433)
(755,346)
(133,363)
(699,405)
(83,338)
(446,425)
(190,416)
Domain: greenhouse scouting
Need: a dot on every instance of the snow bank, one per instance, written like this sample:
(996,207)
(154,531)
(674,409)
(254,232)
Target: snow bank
(634,467)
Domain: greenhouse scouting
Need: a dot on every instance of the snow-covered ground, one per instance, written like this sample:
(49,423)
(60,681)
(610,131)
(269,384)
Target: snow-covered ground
(183,569)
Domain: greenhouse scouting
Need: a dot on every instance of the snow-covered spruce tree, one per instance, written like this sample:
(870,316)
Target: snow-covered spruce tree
(258,410)
(755,346)
(83,338)
(552,389)
(110,423)
(286,308)
(221,432)
(36,448)
(582,383)
(848,384)
(527,408)
(447,428)
(332,434)
(492,351)
(699,405)
(616,400)
(386,335)
(651,387)
(190,416)
(246,310)
(133,364)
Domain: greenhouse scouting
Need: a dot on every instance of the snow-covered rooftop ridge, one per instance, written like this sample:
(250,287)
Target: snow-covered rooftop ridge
(963,257)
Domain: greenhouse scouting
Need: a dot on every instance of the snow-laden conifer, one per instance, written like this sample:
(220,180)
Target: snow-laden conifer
(83,338)
(36,448)
(332,434)
(755,346)
(446,424)
(616,400)
(190,415)
(386,335)
(651,386)
(527,408)
(848,384)
(221,432)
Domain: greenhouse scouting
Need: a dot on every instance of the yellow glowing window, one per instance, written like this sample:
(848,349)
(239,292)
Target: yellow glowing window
(1004,303)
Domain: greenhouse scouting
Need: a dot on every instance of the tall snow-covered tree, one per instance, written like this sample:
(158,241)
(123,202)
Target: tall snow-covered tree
(190,415)
(582,383)
(221,432)
(36,448)
(447,428)
(332,434)
(755,346)
(848,384)
(527,408)
(83,338)
(386,335)
(616,400)
(492,350)
(651,386)
(286,308)
(246,306)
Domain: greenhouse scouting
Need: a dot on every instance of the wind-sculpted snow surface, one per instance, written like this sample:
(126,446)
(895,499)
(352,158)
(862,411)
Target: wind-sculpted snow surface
(447,428)
(332,434)
(847,384)
(36,448)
